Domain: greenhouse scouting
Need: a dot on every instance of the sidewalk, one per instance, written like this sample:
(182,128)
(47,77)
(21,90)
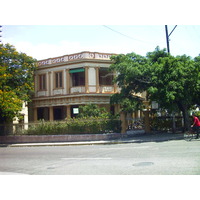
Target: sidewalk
(129,137)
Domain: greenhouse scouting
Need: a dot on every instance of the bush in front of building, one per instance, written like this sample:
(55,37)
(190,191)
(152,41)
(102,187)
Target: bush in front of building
(93,125)
(164,123)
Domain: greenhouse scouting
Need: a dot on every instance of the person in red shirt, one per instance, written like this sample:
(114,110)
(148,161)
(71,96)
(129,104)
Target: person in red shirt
(196,125)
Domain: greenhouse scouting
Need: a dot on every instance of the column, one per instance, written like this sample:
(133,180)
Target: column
(97,79)
(64,85)
(35,84)
(68,107)
(49,84)
(86,80)
(67,81)
(51,118)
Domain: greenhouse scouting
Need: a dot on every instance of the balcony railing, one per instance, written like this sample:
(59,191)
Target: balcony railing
(92,89)
(78,89)
(106,89)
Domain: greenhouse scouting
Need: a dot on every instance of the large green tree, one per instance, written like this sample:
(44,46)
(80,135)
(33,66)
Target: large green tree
(174,82)
(197,84)
(16,81)
(171,81)
(132,78)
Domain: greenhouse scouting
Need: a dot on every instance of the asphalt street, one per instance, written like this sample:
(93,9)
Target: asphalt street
(167,157)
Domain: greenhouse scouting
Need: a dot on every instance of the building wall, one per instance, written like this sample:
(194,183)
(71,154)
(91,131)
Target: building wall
(48,101)
(92,85)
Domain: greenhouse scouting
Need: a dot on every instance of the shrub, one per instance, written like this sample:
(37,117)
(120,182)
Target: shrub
(164,123)
(93,125)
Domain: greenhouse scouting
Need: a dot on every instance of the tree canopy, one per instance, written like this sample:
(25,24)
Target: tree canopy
(132,78)
(172,81)
(16,80)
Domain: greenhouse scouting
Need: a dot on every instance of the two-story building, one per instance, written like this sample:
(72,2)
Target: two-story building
(64,83)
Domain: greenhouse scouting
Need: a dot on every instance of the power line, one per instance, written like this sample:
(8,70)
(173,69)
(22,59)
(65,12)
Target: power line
(124,34)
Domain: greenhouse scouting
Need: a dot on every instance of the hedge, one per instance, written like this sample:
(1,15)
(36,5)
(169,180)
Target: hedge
(75,126)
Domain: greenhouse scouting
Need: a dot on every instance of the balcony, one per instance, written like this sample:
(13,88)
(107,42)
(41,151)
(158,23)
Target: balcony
(92,89)
(77,89)
(106,89)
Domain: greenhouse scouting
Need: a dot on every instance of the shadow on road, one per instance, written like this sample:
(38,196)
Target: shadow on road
(154,137)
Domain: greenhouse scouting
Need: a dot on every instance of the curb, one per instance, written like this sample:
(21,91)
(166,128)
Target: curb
(128,139)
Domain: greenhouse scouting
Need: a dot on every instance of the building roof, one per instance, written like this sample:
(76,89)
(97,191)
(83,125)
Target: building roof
(85,55)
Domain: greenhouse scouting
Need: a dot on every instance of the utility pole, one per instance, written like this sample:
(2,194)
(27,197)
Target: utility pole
(167,37)
(168,50)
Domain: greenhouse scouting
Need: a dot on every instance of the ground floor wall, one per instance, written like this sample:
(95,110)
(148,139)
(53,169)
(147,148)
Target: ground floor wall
(60,108)
(63,112)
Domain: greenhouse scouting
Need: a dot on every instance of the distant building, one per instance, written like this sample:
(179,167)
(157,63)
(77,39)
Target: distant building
(64,83)
(21,121)
(23,115)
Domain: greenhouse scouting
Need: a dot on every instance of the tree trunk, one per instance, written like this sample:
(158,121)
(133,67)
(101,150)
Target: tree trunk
(173,123)
(184,108)
(186,117)
(124,121)
(146,122)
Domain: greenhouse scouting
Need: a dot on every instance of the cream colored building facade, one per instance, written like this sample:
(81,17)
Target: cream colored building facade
(64,83)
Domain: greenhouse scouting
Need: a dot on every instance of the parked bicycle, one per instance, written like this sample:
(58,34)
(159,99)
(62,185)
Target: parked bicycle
(137,124)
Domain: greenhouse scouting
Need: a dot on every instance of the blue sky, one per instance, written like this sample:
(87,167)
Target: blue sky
(45,41)
(45,29)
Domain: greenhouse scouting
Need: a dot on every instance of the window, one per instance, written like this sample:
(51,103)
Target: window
(105,77)
(58,80)
(42,82)
(78,77)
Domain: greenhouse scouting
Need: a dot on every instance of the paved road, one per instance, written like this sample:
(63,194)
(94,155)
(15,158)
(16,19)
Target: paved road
(166,157)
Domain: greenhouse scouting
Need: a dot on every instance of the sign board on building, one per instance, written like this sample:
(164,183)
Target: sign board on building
(75,111)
